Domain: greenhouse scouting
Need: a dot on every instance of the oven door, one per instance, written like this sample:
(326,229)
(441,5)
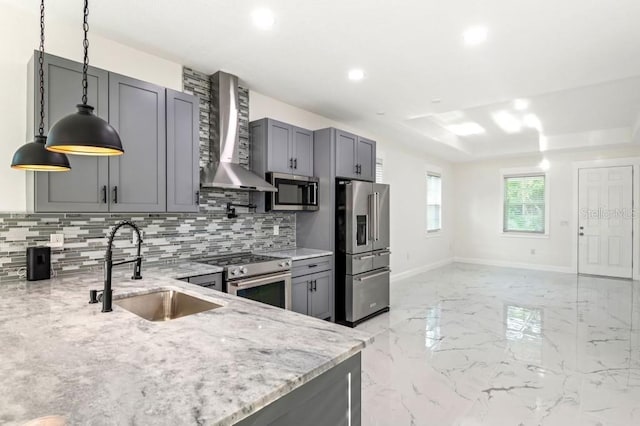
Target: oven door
(295,193)
(273,289)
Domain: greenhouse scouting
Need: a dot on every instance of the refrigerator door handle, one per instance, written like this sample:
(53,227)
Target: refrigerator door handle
(377,205)
(371,220)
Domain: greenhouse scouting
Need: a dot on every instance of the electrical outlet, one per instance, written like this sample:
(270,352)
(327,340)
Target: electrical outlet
(276,229)
(56,240)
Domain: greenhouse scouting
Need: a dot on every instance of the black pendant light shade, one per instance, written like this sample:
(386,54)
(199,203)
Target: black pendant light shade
(84,133)
(34,156)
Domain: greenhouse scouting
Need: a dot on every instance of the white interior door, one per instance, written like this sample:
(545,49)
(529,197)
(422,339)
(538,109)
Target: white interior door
(605,221)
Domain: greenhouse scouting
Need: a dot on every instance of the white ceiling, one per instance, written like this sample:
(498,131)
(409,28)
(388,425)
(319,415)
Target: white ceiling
(577,61)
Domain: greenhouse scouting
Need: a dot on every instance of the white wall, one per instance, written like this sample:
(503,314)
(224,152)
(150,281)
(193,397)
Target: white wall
(405,171)
(19,32)
(477,234)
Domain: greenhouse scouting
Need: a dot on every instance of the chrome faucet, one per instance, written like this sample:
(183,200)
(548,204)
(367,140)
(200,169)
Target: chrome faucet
(107,293)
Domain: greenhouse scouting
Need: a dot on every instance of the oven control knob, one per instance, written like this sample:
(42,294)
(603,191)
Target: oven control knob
(243,270)
(234,271)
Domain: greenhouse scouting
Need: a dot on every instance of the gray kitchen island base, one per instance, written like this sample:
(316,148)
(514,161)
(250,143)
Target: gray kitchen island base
(328,400)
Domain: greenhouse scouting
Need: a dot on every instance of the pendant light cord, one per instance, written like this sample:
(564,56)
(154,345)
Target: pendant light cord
(85,44)
(41,69)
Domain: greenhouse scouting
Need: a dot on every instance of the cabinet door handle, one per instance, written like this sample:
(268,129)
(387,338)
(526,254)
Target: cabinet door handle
(291,163)
(310,285)
(313,266)
(356,169)
(197,198)
(315,285)
(115,194)
(295,163)
(104,194)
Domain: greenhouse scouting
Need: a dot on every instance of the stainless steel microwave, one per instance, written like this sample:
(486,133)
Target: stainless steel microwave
(295,193)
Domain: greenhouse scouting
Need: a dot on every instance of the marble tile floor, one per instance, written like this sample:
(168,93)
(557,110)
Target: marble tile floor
(479,345)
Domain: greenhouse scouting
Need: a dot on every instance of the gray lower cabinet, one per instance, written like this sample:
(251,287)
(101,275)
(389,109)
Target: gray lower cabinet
(183,152)
(84,187)
(332,399)
(138,178)
(355,156)
(312,287)
(280,147)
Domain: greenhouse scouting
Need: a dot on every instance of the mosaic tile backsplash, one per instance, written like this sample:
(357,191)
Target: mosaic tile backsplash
(167,236)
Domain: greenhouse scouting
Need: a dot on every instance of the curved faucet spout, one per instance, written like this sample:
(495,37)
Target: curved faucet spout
(107,293)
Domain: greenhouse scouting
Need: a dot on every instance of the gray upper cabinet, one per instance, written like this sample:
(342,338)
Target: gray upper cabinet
(366,155)
(302,152)
(84,187)
(355,156)
(281,148)
(183,152)
(279,152)
(138,178)
(346,146)
(159,140)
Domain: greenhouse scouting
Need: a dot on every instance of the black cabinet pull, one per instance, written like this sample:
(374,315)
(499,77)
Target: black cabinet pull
(356,169)
(291,163)
(104,194)
(313,266)
(315,285)
(115,194)
(295,163)
(310,285)
(197,198)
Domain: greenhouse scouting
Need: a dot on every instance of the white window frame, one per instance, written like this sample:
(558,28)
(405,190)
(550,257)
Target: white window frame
(433,232)
(520,172)
(380,162)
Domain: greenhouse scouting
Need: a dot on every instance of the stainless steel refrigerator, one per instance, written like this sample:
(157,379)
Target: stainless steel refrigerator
(362,258)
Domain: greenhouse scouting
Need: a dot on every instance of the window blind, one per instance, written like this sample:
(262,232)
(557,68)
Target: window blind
(434,202)
(524,204)
(379,170)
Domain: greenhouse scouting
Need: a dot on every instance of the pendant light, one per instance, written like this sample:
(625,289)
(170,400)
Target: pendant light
(33,155)
(84,133)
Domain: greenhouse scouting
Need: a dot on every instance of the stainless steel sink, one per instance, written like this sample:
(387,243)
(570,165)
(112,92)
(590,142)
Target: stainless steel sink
(164,305)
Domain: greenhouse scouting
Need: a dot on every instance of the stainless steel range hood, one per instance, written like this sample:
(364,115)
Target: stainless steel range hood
(223,170)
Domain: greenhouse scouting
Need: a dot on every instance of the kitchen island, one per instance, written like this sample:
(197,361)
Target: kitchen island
(245,362)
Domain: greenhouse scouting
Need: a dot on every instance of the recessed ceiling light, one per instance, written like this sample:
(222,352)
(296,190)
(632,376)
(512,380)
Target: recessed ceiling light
(263,18)
(356,74)
(507,122)
(466,129)
(436,100)
(521,104)
(475,35)
(380,113)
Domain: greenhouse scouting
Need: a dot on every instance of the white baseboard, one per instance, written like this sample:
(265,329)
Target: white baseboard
(416,271)
(508,264)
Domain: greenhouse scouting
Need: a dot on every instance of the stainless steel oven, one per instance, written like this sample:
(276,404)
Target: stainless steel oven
(295,193)
(272,289)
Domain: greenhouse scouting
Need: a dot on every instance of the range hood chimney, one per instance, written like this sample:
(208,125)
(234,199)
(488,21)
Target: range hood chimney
(223,170)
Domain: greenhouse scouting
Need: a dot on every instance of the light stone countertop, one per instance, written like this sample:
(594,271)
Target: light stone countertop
(62,356)
(298,253)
